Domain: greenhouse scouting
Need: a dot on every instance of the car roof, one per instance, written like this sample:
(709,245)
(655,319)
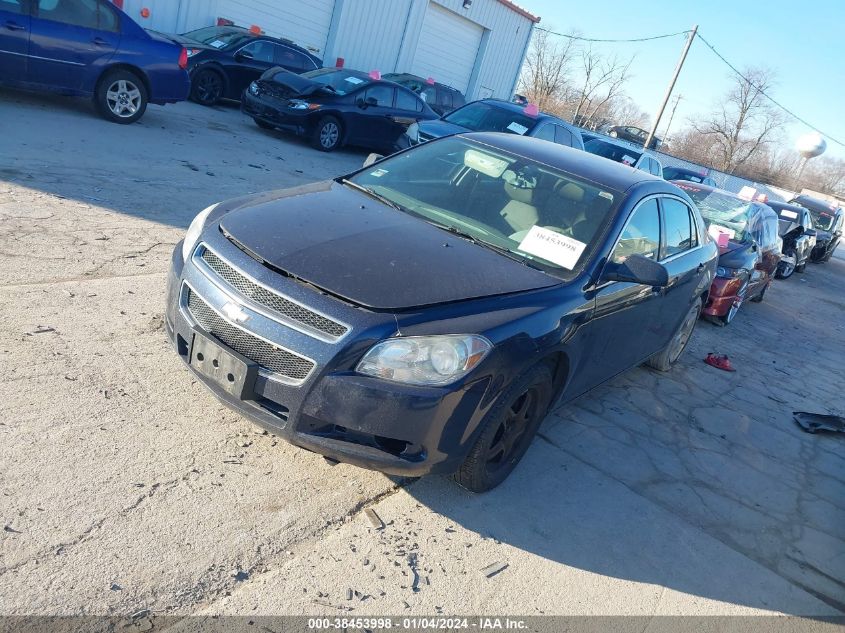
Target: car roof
(687,170)
(814,204)
(515,107)
(439,84)
(777,205)
(264,36)
(574,161)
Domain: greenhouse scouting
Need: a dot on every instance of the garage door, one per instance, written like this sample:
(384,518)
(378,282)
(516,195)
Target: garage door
(306,22)
(447,47)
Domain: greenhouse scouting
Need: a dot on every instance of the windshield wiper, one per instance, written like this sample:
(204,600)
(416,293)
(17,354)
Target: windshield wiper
(373,194)
(501,250)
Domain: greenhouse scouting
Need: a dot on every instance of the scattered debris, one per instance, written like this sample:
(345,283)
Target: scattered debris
(812,422)
(326,603)
(494,568)
(374,518)
(719,362)
(412,563)
(115,587)
(140,614)
(240,576)
(11,530)
(349,594)
(41,329)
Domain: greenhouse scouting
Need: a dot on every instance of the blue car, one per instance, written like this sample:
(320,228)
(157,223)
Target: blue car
(90,48)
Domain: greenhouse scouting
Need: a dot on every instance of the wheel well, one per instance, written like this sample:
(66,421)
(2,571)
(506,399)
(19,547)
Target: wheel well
(558,362)
(212,67)
(132,69)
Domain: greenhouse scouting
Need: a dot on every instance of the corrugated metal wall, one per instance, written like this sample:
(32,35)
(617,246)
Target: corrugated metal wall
(306,22)
(370,34)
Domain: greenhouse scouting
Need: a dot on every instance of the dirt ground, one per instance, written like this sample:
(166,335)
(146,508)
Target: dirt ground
(124,485)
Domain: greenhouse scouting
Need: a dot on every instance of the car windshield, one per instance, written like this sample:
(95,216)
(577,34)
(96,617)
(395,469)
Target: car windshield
(821,212)
(724,211)
(822,220)
(339,81)
(513,204)
(218,37)
(677,174)
(620,154)
(486,117)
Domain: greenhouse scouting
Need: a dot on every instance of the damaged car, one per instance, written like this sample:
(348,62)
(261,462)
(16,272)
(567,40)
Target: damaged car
(423,314)
(828,219)
(795,227)
(333,107)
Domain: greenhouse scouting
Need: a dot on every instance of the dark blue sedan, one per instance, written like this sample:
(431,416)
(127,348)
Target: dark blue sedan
(425,313)
(90,48)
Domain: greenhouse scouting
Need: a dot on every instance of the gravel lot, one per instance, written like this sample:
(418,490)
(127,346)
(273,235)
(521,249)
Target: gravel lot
(124,485)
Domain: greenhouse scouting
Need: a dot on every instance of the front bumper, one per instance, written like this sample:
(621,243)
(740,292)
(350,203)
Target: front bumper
(372,423)
(272,111)
(724,293)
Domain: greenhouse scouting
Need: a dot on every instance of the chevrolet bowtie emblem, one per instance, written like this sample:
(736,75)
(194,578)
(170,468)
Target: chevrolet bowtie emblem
(235,313)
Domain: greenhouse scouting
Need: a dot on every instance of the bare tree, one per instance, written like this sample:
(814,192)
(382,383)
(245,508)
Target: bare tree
(598,72)
(825,174)
(546,72)
(745,122)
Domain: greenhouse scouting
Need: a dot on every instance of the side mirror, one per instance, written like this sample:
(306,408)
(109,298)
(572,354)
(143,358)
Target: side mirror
(369,160)
(361,103)
(639,270)
(242,55)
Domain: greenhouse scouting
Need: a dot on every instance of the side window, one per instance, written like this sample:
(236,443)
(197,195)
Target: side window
(644,164)
(289,58)
(641,235)
(680,229)
(76,12)
(457,99)
(445,98)
(407,101)
(563,136)
(383,96)
(261,51)
(108,19)
(428,94)
(546,132)
(806,221)
(655,168)
(14,6)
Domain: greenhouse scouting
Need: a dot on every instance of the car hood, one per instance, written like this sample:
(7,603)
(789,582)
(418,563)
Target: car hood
(359,249)
(734,255)
(823,236)
(439,127)
(292,85)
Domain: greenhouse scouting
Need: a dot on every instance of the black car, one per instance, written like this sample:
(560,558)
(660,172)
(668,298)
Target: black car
(424,313)
(689,175)
(633,134)
(624,153)
(440,97)
(335,107)
(223,60)
(827,220)
(495,115)
(795,227)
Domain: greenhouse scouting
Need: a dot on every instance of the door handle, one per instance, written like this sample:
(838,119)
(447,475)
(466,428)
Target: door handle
(99,41)
(14,26)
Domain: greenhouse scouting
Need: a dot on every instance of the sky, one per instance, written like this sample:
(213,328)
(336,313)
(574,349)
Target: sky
(804,42)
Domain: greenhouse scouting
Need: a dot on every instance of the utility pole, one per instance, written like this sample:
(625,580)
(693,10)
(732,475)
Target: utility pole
(671,86)
(672,115)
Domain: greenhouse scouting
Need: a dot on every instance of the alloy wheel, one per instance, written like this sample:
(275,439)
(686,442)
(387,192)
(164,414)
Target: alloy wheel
(681,339)
(329,135)
(506,441)
(787,264)
(209,87)
(123,98)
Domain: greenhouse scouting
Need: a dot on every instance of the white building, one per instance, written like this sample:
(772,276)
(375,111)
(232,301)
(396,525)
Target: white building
(476,46)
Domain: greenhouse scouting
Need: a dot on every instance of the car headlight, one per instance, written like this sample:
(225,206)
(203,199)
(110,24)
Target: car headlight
(253,88)
(729,273)
(194,230)
(413,132)
(425,360)
(299,104)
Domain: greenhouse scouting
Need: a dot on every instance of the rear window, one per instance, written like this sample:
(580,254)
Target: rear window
(670,173)
(618,153)
(218,37)
(485,117)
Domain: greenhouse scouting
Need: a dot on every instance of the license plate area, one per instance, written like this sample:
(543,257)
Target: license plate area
(229,370)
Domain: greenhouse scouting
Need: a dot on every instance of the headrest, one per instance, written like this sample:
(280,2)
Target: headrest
(519,187)
(569,191)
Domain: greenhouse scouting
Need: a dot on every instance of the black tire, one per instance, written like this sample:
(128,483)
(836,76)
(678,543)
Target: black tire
(121,96)
(327,134)
(759,296)
(802,267)
(495,453)
(207,87)
(665,359)
(263,124)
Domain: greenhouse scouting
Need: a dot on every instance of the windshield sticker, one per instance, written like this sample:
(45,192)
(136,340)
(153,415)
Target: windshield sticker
(378,173)
(217,44)
(628,160)
(517,128)
(721,234)
(786,213)
(606,195)
(747,193)
(552,246)
(354,80)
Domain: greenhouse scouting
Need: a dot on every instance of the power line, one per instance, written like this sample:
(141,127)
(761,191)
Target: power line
(593,39)
(761,91)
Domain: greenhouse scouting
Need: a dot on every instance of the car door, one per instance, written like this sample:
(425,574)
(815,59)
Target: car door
(627,324)
(371,122)
(681,254)
(804,244)
(544,131)
(67,38)
(407,109)
(14,39)
(247,64)
(428,93)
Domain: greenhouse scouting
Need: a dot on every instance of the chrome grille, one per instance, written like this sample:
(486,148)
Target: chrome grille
(269,357)
(289,309)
